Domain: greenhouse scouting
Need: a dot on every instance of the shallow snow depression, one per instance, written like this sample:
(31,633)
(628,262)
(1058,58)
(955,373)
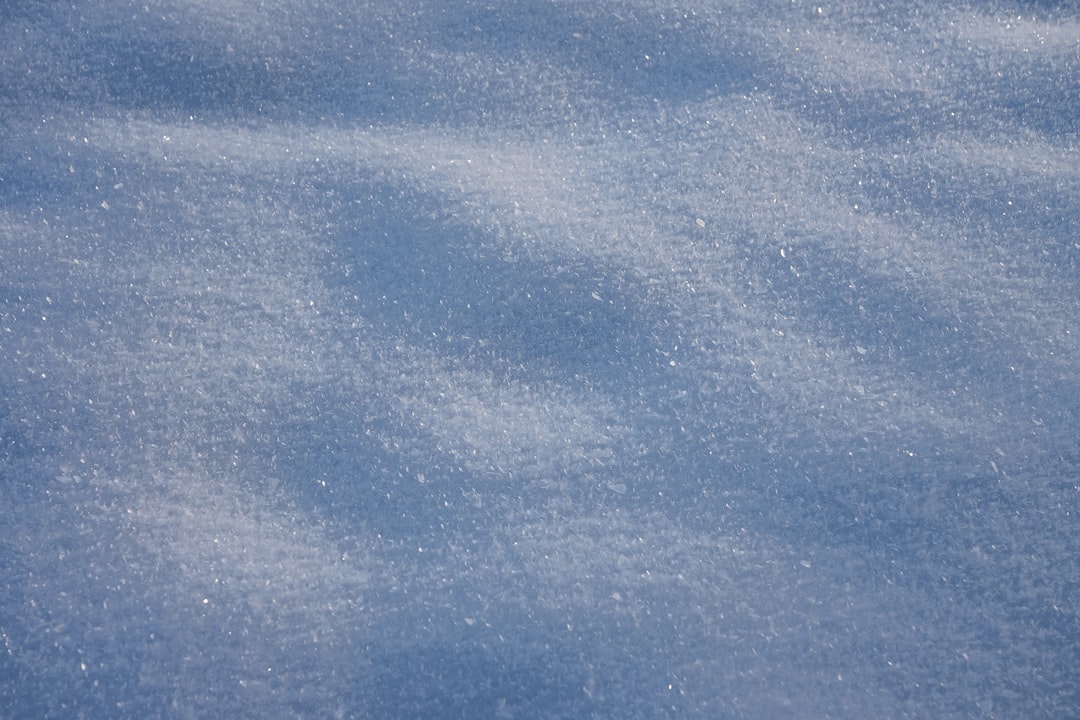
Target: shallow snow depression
(539,359)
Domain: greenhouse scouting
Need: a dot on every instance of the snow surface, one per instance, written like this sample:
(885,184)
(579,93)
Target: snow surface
(522,359)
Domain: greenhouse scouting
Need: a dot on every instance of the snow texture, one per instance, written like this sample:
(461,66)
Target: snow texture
(539,359)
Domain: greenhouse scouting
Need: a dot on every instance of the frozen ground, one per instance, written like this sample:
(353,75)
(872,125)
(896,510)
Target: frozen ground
(539,359)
